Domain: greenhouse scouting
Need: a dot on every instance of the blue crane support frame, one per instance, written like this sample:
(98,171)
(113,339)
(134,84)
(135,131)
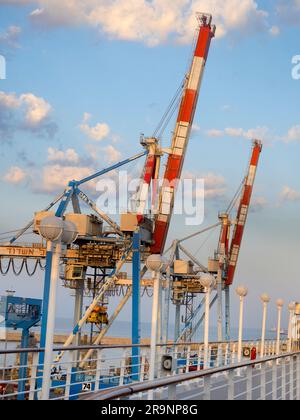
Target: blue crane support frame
(136,308)
(70,191)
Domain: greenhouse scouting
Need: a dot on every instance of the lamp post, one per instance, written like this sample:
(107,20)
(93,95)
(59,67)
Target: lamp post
(279,304)
(242,292)
(292,308)
(56,232)
(206,281)
(155,264)
(265,300)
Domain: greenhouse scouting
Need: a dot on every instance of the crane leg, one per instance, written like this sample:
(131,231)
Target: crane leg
(227,313)
(136,333)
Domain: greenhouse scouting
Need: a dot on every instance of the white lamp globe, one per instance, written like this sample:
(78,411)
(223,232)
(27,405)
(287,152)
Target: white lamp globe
(292,307)
(265,298)
(155,263)
(70,233)
(207,280)
(279,303)
(51,228)
(241,291)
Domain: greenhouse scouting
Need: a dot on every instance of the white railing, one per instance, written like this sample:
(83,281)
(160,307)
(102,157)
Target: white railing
(270,378)
(113,366)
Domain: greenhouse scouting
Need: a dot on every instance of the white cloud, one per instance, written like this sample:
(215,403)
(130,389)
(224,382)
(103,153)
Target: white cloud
(261,133)
(258,204)
(54,178)
(9,101)
(99,132)
(214,185)
(112,155)
(149,21)
(10,37)
(37,109)
(214,133)
(293,134)
(288,194)
(15,175)
(24,112)
(69,156)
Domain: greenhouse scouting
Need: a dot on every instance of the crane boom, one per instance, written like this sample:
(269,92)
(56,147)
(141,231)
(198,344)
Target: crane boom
(243,212)
(182,134)
(150,172)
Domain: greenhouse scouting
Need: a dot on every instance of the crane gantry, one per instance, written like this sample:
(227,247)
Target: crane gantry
(107,251)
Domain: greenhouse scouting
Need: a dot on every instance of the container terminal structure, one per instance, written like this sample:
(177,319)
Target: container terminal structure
(92,253)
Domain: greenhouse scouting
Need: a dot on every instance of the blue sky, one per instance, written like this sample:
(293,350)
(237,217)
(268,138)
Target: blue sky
(75,58)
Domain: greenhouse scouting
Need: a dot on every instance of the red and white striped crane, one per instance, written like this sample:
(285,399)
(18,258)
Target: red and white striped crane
(242,213)
(182,134)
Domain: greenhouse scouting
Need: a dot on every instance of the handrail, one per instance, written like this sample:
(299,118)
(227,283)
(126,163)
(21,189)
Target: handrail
(117,346)
(126,391)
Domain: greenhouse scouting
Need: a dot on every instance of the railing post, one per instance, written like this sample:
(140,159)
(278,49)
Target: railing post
(33,379)
(188,356)
(69,376)
(233,353)
(274,379)
(199,358)
(249,383)
(283,375)
(298,376)
(142,371)
(291,378)
(123,367)
(227,353)
(209,357)
(207,384)
(219,355)
(172,394)
(98,370)
(231,386)
(263,373)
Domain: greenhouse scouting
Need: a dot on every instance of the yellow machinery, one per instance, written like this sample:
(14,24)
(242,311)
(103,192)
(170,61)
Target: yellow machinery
(98,316)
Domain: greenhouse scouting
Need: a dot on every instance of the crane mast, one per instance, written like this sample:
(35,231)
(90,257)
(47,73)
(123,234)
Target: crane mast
(243,212)
(182,134)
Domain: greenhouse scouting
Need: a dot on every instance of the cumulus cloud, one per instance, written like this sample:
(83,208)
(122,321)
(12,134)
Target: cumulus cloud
(15,175)
(149,21)
(10,37)
(24,112)
(36,109)
(289,194)
(99,132)
(63,166)
(54,178)
(214,185)
(69,156)
(293,134)
(258,204)
(112,155)
(261,133)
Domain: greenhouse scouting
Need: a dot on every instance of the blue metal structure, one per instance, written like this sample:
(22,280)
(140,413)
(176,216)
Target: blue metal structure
(136,335)
(71,191)
(21,313)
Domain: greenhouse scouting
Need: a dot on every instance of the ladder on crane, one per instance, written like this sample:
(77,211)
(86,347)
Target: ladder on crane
(182,133)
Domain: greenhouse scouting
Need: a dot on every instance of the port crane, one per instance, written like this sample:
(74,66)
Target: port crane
(186,272)
(107,251)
